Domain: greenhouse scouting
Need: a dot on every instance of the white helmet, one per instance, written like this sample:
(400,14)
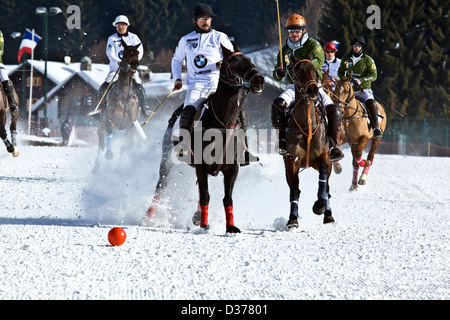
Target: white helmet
(122,19)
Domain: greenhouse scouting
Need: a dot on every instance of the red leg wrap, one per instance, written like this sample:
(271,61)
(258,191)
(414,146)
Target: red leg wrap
(204,216)
(229,216)
(152,209)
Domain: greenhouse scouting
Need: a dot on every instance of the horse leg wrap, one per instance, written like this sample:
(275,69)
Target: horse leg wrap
(294,208)
(204,216)
(355,175)
(155,202)
(229,216)
(360,162)
(108,139)
(14,137)
(322,193)
(367,167)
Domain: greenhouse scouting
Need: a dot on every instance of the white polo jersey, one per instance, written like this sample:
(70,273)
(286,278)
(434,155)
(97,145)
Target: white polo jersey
(202,52)
(114,51)
(333,66)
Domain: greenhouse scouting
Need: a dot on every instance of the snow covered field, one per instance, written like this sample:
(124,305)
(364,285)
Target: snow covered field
(390,239)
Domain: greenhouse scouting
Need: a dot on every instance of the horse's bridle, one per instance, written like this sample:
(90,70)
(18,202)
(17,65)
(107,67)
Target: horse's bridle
(302,87)
(233,78)
(128,66)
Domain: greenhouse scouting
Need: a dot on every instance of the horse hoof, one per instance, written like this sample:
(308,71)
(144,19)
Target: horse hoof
(319,207)
(233,229)
(292,224)
(354,187)
(362,181)
(337,167)
(15,152)
(328,218)
(196,219)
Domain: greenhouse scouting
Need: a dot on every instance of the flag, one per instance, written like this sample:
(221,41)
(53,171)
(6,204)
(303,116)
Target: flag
(28,43)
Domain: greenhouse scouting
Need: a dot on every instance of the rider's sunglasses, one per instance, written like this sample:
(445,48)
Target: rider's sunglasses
(205,19)
(329,51)
(357,45)
(296,30)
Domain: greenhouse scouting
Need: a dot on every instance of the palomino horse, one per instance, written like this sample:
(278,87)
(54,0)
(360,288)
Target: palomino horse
(237,76)
(122,106)
(11,147)
(357,130)
(306,141)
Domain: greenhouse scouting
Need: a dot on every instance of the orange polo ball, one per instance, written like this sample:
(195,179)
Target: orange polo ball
(117,236)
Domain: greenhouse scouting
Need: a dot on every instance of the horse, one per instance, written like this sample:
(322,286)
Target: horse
(357,129)
(307,142)
(238,76)
(11,146)
(122,106)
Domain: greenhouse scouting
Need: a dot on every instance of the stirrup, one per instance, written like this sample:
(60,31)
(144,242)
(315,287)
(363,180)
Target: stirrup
(184,149)
(13,108)
(282,149)
(248,158)
(377,133)
(336,154)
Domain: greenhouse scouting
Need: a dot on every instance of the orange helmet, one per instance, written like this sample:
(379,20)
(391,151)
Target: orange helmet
(295,21)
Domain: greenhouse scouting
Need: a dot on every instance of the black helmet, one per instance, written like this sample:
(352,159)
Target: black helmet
(359,39)
(203,10)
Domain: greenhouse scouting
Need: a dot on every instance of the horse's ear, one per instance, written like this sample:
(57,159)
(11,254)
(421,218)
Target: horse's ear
(226,52)
(348,78)
(137,46)
(123,43)
(236,47)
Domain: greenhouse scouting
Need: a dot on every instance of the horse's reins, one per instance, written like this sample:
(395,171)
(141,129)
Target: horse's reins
(239,81)
(303,91)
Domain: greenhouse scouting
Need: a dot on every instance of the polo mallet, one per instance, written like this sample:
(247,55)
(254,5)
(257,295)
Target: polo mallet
(139,127)
(104,94)
(279,33)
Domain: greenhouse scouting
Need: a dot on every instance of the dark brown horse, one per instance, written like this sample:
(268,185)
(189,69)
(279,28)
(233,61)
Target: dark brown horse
(122,106)
(217,154)
(357,130)
(307,141)
(11,146)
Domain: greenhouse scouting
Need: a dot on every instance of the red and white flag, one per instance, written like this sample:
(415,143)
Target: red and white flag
(29,42)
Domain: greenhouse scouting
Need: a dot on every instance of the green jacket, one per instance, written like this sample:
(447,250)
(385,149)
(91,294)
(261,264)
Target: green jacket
(2,46)
(365,70)
(312,47)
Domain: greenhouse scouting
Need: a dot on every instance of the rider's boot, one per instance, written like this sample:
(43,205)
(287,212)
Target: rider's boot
(279,121)
(9,90)
(186,120)
(334,116)
(248,156)
(101,91)
(372,111)
(145,109)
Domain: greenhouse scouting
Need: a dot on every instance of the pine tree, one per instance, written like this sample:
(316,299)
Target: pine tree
(410,50)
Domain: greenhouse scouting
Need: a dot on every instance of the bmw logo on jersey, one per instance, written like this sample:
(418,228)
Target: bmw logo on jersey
(200,61)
